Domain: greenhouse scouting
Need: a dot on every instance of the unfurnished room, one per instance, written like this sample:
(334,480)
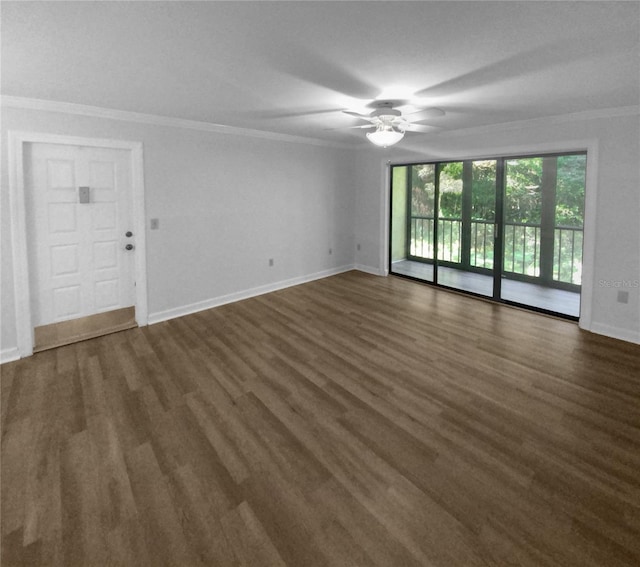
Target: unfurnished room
(320,283)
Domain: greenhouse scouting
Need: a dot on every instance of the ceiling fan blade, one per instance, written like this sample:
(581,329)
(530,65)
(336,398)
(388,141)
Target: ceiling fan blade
(276,114)
(420,128)
(425,113)
(353,127)
(357,114)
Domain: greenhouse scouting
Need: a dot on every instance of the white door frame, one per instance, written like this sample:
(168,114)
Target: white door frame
(22,293)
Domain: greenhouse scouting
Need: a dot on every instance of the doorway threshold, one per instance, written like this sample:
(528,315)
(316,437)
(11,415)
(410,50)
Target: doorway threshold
(75,330)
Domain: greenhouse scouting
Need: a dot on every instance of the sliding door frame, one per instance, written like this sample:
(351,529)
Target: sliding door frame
(587,147)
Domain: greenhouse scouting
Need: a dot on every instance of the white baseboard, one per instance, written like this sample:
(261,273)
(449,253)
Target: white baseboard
(369,270)
(9,354)
(615,332)
(246,294)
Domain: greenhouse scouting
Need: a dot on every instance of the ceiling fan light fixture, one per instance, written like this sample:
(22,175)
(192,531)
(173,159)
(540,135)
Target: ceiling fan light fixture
(385,137)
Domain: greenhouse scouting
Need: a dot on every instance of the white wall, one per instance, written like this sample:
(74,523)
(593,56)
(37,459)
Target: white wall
(226,204)
(616,255)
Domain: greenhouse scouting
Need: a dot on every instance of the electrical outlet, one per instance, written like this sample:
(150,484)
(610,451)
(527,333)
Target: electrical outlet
(330,250)
(358,247)
(154,224)
(623,296)
(270,261)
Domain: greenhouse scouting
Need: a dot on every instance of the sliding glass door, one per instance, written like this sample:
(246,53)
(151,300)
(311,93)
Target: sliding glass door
(509,229)
(413,229)
(543,227)
(467,217)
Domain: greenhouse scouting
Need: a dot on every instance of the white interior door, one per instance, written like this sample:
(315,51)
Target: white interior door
(78,261)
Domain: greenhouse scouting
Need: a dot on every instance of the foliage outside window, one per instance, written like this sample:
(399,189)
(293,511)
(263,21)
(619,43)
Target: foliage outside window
(543,212)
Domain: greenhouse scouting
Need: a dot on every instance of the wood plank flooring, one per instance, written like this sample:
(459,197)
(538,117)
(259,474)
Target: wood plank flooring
(351,421)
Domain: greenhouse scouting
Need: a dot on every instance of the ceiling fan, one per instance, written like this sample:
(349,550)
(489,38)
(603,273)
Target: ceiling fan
(389,122)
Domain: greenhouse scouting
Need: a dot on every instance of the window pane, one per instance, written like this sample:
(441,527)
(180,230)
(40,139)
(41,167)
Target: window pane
(523,214)
(412,234)
(450,212)
(570,190)
(451,190)
(569,218)
(399,213)
(523,198)
(423,193)
(483,213)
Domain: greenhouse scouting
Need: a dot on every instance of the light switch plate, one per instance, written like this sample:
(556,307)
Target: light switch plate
(84,195)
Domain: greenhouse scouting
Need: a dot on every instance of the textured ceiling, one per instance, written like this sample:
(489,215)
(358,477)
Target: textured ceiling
(290,67)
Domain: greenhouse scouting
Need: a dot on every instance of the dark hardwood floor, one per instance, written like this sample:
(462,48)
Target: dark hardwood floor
(354,420)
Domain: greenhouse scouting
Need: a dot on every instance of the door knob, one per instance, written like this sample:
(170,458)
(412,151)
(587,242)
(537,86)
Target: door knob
(128,234)
(129,247)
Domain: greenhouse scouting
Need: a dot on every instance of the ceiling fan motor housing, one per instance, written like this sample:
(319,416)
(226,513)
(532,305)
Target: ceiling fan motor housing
(386,112)
(385,108)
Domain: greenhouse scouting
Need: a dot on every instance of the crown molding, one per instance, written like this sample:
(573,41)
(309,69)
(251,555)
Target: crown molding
(545,121)
(614,112)
(157,120)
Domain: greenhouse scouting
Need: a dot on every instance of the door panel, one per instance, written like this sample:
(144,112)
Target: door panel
(110,219)
(543,212)
(467,205)
(78,264)
(412,221)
